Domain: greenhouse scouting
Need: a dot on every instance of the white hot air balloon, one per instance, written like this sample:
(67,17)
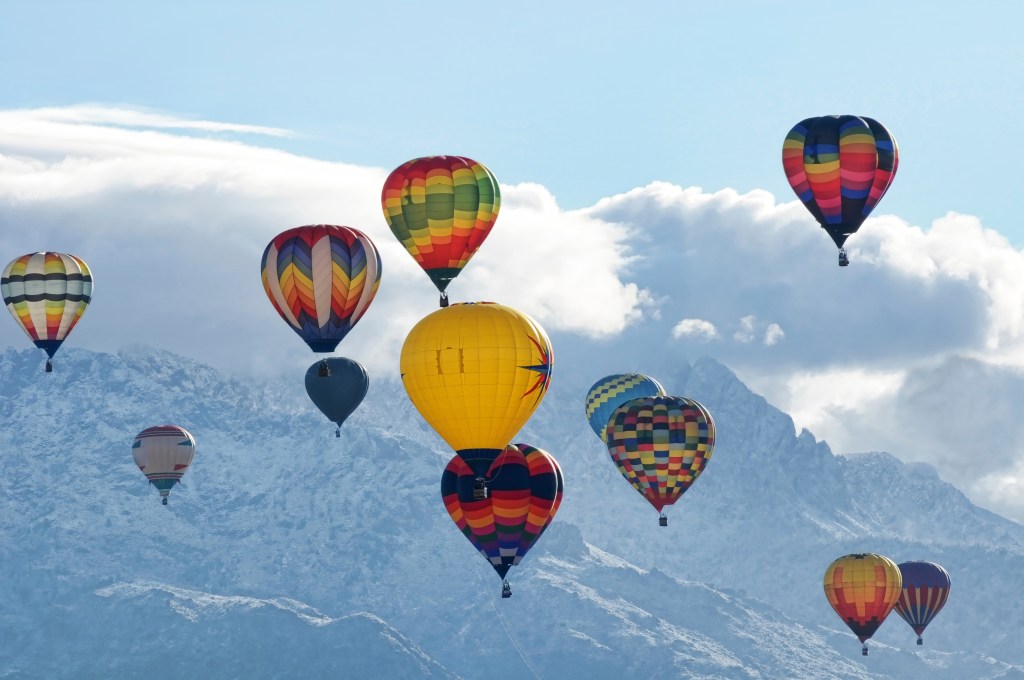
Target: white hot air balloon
(163,453)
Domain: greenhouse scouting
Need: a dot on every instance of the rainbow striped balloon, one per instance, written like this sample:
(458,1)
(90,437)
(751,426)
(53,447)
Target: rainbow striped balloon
(163,453)
(840,167)
(441,208)
(321,279)
(524,491)
(47,293)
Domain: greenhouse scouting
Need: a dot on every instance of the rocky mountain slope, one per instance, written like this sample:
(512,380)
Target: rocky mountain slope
(288,553)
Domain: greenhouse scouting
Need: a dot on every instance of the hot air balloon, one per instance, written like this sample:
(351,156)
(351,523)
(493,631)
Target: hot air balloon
(660,445)
(476,372)
(163,453)
(521,504)
(840,167)
(611,392)
(47,293)
(863,589)
(924,593)
(339,390)
(321,279)
(441,208)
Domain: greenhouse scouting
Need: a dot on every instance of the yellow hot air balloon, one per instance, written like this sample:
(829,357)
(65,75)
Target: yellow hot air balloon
(476,372)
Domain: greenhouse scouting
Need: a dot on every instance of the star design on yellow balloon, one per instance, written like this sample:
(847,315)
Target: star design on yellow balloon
(543,368)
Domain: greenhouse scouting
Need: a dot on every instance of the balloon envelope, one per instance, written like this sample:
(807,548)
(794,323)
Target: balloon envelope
(476,372)
(519,506)
(321,279)
(923,594)
(441,208)
(840,167)
(164,453)
(661,445)
(338,394)
(611,392)
(46,293)
(862,588)
(543,506)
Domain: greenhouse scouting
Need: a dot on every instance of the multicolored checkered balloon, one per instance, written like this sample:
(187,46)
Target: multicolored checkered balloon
(661,445)
(863,589)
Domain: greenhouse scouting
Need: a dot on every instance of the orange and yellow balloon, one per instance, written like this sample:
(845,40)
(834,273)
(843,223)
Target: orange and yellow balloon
(476,372)
(863,588)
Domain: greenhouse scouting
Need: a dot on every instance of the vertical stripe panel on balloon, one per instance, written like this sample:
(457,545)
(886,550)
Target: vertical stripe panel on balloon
(35,287)
(272,285)
(322,269)
(370,270)
(821,163)
(887,153)
(858,161)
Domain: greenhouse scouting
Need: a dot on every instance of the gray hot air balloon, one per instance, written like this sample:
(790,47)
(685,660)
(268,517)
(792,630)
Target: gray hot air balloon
(337,386)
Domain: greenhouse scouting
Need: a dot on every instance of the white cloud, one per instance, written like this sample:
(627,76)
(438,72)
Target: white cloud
(1001,491)
(174,226)
(695,327)
(773,334)
(925,326)
(746,332)
(874,354)
(837,401)
(564,268)
(130,117)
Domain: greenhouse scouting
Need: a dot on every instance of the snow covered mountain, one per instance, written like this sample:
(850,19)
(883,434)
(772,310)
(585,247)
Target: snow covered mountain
(289,553)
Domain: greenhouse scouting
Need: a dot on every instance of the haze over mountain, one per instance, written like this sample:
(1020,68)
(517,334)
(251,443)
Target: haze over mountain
(288,552)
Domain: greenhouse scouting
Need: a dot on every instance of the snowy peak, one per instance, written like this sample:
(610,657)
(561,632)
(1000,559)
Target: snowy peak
(283,537)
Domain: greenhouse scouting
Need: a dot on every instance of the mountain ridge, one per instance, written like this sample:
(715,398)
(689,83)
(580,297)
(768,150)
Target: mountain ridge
(276,509)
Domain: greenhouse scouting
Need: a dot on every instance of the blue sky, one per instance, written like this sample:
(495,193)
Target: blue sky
(189,134)
(588,99)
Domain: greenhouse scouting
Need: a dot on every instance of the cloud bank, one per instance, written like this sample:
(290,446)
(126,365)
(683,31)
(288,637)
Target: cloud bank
(174,226)
(915,348)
